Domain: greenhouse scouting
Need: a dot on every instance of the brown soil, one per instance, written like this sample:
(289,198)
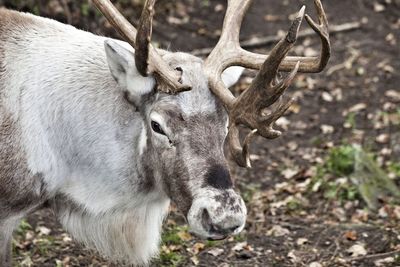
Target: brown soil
(316,229)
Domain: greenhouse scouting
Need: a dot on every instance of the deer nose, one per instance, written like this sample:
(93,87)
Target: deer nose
(220,230)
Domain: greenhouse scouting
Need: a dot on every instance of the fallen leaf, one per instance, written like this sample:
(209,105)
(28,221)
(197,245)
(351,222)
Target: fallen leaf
(357,250)
(215,251)
(301,241)
(379,7)
(195,260)
(43,230)
(197,247)
(185,236)
(292,256)
(219,8)
(327,129)
(393,95)
(351,235)
(358,107)
(327,97)
(239,246)
(277,230)
(382,139)
(384,262)
(289,173)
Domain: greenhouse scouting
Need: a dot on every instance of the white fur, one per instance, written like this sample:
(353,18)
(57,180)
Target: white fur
(142,141)
(127,236)
(120,57)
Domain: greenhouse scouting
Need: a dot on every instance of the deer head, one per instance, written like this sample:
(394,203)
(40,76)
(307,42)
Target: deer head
(187,109)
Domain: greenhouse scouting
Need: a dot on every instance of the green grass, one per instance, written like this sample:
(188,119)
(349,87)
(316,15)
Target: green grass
(351,120)
(394,167)
(171,237)
(339,163)
(169,259)
(340,160)
(349,172)
(23,227)
(248,190)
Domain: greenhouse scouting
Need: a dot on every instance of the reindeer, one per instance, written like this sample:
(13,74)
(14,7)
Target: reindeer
(106,132)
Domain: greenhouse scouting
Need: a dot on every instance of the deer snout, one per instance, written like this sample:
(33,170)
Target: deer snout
(220,230)
(218,216)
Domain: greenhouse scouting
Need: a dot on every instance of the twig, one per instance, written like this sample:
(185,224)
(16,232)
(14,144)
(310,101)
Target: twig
(257,42)
(347,64)
(67,11)
(337,248)
(374,256)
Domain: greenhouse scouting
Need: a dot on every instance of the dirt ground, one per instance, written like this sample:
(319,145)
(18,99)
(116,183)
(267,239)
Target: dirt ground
(294,219)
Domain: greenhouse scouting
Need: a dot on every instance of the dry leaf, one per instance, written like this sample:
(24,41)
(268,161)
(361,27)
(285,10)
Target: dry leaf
(357,250)
(327,129)
(215,251)
(315,264)
(43,230)
(384,262)
(351,235)
(239,246)
(393,95)
(301,241)
(327,97)
(195,260)
(197,248)
(289,173)
(278,230)
(358,107)
(382,139)
(185,236)
(379,7)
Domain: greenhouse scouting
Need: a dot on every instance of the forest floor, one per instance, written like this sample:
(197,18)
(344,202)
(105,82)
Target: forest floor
(304,207)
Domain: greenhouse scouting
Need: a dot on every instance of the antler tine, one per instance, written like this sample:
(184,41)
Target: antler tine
(307,64)
(234,16)
(143,38)
(262,93)
(226,49)
(147,58)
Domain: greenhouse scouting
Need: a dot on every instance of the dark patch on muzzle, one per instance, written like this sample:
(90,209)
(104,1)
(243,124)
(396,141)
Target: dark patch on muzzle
(219,177)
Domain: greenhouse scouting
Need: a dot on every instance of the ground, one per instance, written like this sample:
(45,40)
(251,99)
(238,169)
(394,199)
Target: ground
(305,208)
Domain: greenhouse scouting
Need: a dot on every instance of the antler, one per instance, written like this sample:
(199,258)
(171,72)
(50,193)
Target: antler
(265,89)
(147,59)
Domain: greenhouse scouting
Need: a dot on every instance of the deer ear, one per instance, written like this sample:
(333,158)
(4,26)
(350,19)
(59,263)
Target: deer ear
(121,61)
(232,75)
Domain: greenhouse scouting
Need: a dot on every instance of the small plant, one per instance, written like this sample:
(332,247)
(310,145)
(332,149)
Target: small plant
(394,167)
(331,175)
(174,239)
(340,160)
(24,226)
(248,190)
(351,120)
(350,173)
(169,259)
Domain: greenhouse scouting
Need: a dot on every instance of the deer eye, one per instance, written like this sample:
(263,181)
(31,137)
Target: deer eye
(157,128)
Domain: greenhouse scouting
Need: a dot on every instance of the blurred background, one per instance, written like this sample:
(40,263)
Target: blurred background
(326,192)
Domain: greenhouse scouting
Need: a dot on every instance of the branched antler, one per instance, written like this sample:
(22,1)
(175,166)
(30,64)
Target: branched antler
(266,89)
(148,61)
